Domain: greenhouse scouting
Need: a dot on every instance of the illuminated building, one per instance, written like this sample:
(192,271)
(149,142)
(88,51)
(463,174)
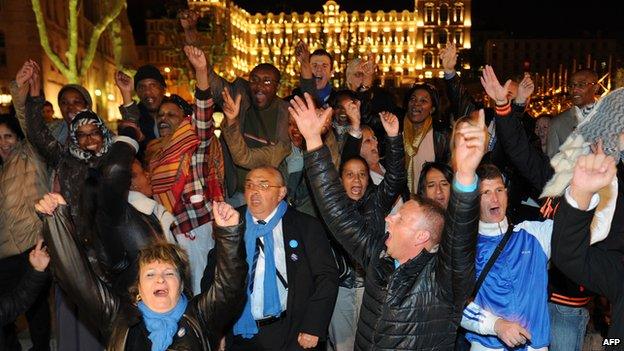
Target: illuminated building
(406,43)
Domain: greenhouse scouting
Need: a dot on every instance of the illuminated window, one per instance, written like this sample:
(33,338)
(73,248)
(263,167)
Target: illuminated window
(428,37)
(458,13)
(429,12)
(442,36)
(428,58)
(459,35)
(444,13)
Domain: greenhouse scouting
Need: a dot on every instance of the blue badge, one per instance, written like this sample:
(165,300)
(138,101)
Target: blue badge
(293,244)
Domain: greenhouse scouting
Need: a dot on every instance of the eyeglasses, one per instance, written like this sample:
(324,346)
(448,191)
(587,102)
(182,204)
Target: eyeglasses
(580,85)
(264,186)
(93,134)
(257,80)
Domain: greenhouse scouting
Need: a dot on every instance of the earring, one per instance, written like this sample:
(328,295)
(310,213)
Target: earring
(138,298)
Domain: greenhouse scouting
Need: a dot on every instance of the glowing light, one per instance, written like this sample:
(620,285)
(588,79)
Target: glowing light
(111,97)
(167,70)
(98,92)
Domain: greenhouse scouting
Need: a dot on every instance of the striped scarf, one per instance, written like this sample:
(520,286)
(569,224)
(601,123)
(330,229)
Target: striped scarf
(170,165)
(413,137)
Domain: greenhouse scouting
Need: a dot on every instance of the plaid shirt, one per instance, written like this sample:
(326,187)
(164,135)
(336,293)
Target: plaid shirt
(204,182)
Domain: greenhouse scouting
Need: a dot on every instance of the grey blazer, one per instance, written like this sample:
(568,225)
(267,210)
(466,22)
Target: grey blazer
(561,127)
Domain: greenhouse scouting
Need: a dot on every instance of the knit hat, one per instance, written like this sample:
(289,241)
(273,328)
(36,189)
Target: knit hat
(80,89)
(147,72)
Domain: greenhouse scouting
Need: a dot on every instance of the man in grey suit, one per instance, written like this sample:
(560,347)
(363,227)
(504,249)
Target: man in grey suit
(582,88)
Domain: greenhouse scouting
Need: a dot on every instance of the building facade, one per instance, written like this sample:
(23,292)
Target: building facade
(19,41)
(405,44)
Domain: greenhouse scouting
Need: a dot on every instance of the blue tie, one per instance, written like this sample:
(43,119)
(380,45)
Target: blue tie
(252,274)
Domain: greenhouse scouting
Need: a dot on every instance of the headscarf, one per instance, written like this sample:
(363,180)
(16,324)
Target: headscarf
(83,118)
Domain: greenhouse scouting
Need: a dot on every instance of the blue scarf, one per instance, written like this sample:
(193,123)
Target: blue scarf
(323,94)
(162,326)
(246,324)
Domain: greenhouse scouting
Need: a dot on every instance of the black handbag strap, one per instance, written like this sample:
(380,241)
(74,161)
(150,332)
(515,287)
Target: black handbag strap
(497,251)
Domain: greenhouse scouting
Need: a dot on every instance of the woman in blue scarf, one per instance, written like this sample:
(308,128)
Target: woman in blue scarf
(157,315)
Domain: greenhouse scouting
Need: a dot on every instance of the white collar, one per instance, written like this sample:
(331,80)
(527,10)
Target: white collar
(493,229)
(141,202)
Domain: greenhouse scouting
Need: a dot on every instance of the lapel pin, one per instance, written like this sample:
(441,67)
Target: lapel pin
(181,332)
(293,244)
(294,257)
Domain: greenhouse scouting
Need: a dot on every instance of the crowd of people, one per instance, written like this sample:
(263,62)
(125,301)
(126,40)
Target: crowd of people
(332,219)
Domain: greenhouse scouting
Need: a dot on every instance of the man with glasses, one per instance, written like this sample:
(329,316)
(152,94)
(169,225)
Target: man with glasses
(582,89)
(292,278)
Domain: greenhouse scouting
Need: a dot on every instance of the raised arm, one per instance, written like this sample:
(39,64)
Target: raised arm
(340,214)
(19,91)
(395,179)
(595,268)
(204,106)
(462,103)
(242,154)
(532,164)
(223,302)
(456,256)
(38,133)
(71,267)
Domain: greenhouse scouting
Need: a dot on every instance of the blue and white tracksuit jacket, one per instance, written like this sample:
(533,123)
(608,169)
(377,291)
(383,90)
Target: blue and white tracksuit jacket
(515,289)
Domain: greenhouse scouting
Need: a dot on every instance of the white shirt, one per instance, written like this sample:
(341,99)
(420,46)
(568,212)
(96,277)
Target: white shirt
(257,295)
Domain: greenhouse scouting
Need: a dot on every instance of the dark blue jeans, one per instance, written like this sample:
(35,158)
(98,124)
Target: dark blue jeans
(567,327)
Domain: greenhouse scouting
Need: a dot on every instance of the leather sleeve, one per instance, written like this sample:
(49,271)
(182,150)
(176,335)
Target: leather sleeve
(74,274)
(224,301)
(340,214)
(39,134)
(455,271)
(531,163)
(22,296)
(462,103)
(395,179)
(597,269)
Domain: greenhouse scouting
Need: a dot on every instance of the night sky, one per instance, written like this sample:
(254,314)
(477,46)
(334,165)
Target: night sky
(526,18)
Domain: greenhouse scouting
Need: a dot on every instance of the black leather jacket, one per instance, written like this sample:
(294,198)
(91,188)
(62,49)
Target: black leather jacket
(417,306)
(119,323)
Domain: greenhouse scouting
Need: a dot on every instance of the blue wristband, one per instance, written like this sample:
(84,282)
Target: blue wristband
(466,188)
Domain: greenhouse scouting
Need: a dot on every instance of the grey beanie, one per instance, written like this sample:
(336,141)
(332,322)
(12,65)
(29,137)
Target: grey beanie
(80,89)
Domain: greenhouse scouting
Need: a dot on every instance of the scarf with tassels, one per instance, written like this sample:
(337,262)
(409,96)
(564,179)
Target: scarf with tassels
(170,165)
(412,138)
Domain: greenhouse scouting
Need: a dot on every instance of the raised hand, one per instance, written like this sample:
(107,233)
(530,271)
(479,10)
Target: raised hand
(307,341)
(188,19)
(511,333)
(302,52)
(492,87)
(468,149)
(591,173)
(310,123)
(25,73)
(390,123)
(196,57)
(352,108)
(525,89)
(48,204)
(38,257)
(368,68)
(231,107)
(124,82)
(448,55)
(224,214)
(35,80)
